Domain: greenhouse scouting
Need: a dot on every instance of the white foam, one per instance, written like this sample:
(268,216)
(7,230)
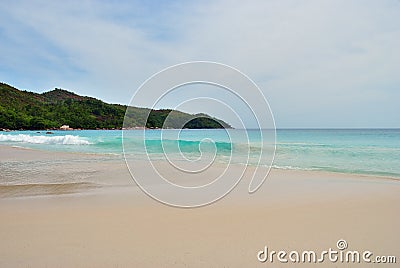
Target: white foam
(292,168)
(65,140)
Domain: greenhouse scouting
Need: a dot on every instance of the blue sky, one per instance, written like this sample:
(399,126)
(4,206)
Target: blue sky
(319,63)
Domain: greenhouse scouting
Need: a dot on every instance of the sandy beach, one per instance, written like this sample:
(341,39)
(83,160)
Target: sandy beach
(109,222)
(197,134)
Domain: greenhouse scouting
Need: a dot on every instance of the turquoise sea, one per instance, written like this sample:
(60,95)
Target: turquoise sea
(359,151)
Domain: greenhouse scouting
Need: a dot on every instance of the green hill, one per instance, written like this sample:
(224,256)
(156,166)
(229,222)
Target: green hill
(49,110)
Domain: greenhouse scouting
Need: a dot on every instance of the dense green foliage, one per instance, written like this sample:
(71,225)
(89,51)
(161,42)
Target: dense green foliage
(28,110)
(177,119)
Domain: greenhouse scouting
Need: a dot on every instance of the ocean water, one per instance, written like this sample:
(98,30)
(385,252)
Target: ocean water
(358,151)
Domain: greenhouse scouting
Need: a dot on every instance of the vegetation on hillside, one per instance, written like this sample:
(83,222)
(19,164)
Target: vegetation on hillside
(28,110)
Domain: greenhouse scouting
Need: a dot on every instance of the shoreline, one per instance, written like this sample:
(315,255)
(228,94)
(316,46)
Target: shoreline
(116,164)
(4,147)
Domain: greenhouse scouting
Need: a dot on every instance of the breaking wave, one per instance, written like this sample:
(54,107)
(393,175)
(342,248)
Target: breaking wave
(64,140)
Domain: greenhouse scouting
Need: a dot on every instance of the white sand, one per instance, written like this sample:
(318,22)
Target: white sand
(122,227)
